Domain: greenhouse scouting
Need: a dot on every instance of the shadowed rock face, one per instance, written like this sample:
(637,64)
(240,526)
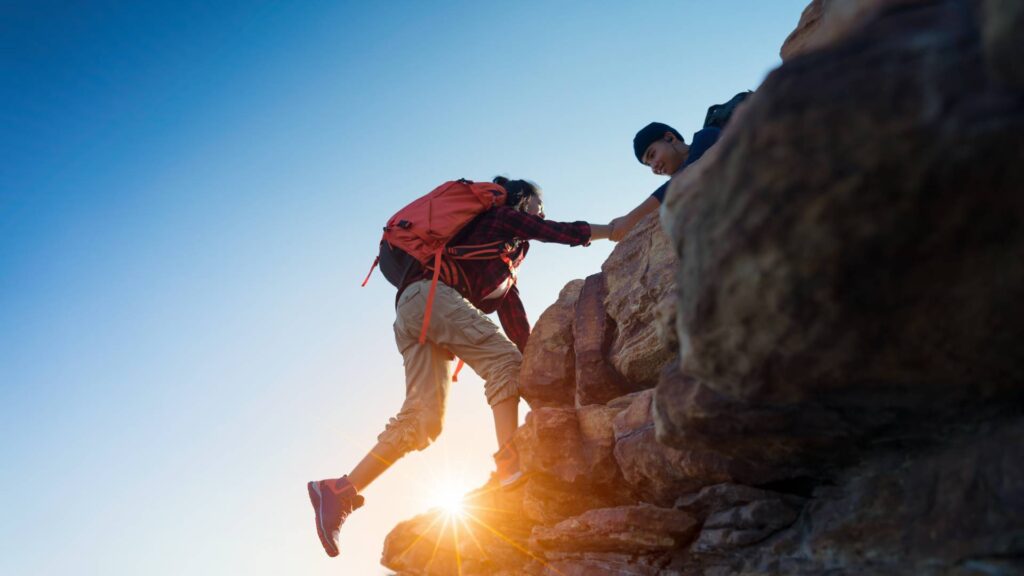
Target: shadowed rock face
(842,392)
(594,331)
(632,529)
(658,473)
(547,377)
(878,256)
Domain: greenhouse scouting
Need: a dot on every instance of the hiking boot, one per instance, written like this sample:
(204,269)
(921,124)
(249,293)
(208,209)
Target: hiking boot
(333,500)
(507,460)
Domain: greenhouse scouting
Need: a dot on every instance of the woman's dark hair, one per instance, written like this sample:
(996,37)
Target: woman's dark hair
(519,191)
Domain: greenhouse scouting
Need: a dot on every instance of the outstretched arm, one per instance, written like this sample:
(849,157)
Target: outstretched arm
(515,224)
(600,231)
(623,224)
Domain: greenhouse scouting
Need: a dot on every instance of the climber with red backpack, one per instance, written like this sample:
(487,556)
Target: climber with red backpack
(454,255)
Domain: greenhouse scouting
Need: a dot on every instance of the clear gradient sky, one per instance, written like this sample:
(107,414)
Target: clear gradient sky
(190,194)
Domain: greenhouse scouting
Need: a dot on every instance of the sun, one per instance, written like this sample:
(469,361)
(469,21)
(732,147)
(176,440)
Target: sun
(451,501)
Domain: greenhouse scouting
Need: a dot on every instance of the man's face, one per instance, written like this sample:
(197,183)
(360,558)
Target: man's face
(666,156)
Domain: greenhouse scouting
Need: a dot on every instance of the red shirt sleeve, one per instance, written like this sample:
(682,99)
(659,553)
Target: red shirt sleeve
(513,319)
(513,223)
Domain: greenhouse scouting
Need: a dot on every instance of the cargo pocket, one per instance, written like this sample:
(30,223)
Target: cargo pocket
(476,328)
(409,294)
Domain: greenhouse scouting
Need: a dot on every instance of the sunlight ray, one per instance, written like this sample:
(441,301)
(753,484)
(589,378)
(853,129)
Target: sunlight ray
(419,536)
(437,543)
(515,544)
(469,530)
(458,554)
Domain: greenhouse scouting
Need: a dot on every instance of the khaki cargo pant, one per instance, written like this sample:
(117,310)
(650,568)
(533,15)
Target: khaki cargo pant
(458,326)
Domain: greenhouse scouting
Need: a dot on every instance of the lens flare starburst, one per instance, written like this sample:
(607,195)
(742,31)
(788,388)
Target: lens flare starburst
(451,500)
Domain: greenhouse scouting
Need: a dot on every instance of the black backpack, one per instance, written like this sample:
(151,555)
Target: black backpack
(719,114)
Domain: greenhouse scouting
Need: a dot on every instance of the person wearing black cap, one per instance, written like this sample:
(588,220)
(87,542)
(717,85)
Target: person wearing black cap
(663,149)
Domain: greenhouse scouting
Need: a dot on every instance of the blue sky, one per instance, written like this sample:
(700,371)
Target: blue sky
(190,195)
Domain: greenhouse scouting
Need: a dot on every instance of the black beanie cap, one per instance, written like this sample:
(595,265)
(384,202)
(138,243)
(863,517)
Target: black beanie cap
(649,135)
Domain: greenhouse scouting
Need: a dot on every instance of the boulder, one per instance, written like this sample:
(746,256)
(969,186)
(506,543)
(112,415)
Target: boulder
(569,447)
(597,380)
(856,239)
(550,444)
(826,22)
(547,375)
(639,275)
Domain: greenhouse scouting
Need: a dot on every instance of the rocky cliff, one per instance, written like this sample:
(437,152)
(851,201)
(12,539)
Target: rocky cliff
(814,362)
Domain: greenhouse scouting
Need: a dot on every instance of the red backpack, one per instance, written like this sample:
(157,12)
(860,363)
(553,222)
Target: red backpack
(420,232)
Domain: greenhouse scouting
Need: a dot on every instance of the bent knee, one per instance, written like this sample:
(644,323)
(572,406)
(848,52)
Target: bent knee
(409,432)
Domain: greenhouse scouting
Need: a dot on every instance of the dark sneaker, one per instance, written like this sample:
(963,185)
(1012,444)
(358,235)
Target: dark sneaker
(333,500)
(507,461)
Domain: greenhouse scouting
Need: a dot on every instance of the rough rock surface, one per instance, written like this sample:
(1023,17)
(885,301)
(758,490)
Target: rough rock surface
(845,390)
(764,442)
(621,529)
(640,275)
(569,446)
(597,380)
(548,374)
(735,515)
(882,254)
(658,473)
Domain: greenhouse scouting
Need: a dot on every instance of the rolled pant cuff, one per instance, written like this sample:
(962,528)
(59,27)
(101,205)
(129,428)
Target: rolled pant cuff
(502,394)
(403,439)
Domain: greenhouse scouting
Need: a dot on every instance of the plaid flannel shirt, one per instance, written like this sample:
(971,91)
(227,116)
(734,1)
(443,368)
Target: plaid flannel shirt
(480,278)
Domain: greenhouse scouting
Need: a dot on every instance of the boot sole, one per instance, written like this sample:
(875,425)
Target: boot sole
(513,482)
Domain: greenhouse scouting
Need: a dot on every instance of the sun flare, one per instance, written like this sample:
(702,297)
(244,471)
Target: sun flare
(451,501)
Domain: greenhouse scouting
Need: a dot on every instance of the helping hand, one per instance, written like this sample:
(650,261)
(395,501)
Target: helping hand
(620,227)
